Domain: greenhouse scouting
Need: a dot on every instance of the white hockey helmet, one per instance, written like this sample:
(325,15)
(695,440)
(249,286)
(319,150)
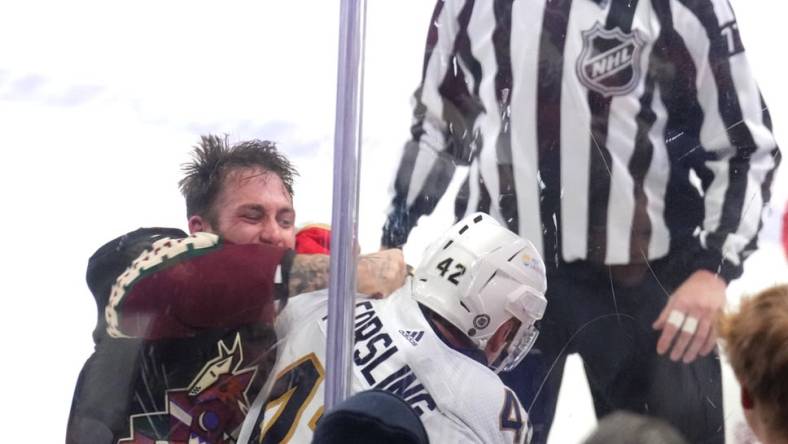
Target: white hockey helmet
(478,276)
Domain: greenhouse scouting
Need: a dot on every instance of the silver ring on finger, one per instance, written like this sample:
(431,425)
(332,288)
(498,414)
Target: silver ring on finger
(676,318)
(690,325)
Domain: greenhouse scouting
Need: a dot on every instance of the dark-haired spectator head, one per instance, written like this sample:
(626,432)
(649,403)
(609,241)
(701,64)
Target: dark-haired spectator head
(374,417)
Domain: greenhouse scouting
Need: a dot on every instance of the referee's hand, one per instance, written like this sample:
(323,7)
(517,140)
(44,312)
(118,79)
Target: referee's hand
(688,321)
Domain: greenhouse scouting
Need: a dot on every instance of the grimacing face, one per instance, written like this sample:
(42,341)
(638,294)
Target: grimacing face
(253,207)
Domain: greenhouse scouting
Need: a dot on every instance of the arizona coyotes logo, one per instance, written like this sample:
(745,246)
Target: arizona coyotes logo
(610,61)
(209,411)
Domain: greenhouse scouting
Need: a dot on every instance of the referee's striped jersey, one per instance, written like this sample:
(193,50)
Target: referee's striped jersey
(608,131)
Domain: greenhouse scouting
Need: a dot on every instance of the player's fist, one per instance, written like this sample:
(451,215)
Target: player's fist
(380,273)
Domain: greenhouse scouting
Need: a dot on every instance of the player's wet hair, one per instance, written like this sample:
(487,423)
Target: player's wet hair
(455,332)
(756,342)
(214,158)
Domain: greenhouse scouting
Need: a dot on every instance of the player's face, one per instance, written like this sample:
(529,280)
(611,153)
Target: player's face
(501,339)
(254,207)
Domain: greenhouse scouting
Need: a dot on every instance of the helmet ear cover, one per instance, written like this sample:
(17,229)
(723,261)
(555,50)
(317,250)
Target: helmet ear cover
(478,276)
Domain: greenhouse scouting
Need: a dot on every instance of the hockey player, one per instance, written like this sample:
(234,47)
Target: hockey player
(469,311)
(184,335)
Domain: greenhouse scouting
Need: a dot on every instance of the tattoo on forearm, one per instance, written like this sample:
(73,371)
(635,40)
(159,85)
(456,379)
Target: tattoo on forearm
(309,272)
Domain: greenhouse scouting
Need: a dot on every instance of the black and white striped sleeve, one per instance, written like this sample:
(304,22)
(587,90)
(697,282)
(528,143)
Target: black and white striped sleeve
(739,152)
(442,135)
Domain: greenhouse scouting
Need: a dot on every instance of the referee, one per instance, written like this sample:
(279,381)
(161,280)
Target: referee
(629,142)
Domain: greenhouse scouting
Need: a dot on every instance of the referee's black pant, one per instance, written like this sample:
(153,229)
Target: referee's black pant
(593,312)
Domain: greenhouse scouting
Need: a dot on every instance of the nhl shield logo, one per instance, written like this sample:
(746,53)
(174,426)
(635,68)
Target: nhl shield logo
(610,61)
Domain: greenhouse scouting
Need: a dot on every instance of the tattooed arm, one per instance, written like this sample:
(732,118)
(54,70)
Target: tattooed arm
(378,273)
(184,284)
(179,286)
(309,272)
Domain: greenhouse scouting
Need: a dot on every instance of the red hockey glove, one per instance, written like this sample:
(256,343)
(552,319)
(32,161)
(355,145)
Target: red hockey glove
(313,239)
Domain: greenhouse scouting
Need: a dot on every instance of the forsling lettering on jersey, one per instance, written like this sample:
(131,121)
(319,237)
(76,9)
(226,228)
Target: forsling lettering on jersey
(395,350)
(368,356)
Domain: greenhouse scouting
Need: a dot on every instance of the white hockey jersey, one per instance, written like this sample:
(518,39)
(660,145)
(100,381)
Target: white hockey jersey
(458,399)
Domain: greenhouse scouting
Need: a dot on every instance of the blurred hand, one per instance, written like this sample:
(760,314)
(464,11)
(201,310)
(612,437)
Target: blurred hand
(690,317)
(380,273)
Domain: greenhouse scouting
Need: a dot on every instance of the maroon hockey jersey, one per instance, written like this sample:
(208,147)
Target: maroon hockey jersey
(184,338)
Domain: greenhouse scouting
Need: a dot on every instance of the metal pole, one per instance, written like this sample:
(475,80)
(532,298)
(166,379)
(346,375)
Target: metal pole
(347,140)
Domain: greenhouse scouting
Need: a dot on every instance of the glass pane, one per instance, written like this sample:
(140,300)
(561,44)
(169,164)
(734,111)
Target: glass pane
(102,103)
(516,103)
